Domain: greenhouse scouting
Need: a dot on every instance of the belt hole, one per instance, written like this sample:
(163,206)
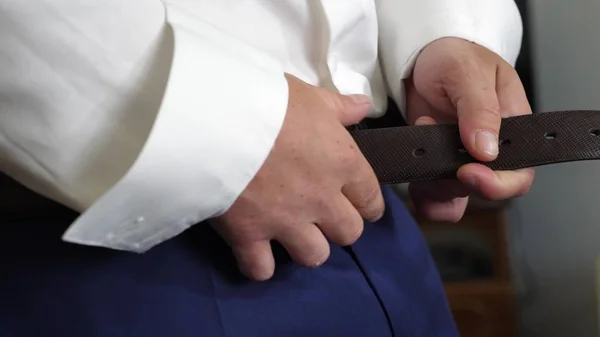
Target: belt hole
(595,132)
(550,135)
(505,142)
(419,152)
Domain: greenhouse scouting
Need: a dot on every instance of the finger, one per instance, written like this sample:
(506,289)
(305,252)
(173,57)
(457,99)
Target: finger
(425,120)
(305,244)
(418,107)
(442,190)
(478,110)
(499,185)
(350,110)
(444,200)
(502,185)
(447,211)
(513,102)
(341,222)
(255,259)
(364,192)
(511,93)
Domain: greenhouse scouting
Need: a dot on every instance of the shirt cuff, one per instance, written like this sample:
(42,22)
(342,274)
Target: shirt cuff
(222,110)
(494,24)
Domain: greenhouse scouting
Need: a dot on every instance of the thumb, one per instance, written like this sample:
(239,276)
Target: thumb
(479,118)
(349,109)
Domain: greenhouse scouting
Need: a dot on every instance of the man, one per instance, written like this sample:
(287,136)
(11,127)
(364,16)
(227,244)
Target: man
(143,119)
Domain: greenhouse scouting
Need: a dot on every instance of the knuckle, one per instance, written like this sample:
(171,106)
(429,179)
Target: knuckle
(326,210)
(242,231)
(306,245)
(352,235)
(253,263)
(455,68)
(349,231)
(333,101)
(492,111)
(336,103)
(469,64)
(318,259)
(259,273)
(348,157)
(368,204)
(314,256)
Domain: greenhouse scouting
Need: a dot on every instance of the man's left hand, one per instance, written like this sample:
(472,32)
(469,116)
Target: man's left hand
(455,80)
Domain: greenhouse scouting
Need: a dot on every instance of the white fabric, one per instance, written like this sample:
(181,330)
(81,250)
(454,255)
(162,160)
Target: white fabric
(150,116)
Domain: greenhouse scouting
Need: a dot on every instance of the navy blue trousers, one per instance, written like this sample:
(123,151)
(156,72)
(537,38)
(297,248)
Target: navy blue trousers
(384,285)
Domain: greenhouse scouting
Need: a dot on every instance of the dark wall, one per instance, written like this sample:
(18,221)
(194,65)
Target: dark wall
(524,63)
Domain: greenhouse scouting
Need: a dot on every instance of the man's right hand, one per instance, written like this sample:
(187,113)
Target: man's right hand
(315,185)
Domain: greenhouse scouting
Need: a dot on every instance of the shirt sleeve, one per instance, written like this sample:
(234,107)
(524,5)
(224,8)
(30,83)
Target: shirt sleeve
(209,127)
(407,26)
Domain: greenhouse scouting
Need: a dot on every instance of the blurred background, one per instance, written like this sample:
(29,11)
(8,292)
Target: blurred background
(556,227)
(528,267)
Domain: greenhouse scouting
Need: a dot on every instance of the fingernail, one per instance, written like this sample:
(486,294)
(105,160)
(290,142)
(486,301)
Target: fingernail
(360,99)
(487,142)
(425,120)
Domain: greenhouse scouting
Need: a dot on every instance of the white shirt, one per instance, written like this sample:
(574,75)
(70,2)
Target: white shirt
(149,116)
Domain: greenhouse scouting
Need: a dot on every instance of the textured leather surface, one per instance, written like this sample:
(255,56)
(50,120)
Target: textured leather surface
(431,152)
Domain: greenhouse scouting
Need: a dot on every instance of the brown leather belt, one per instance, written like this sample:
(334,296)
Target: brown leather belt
(430,152)
(416,153)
